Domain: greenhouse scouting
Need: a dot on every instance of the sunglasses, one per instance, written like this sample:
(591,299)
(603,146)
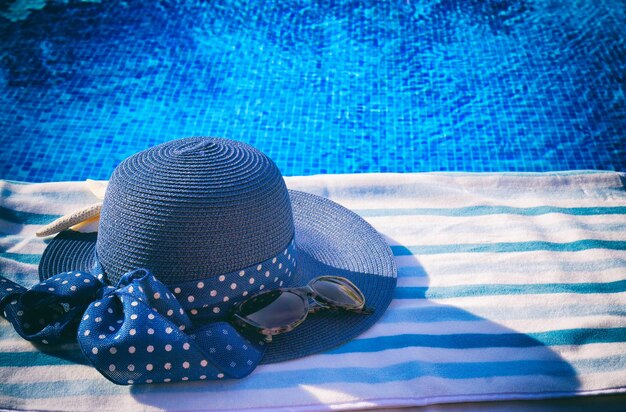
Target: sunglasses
(282,310)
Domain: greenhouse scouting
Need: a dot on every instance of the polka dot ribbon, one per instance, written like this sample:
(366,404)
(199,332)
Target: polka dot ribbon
(136,332)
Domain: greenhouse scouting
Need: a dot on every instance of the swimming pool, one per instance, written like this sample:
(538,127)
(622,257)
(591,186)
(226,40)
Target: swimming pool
(322,87)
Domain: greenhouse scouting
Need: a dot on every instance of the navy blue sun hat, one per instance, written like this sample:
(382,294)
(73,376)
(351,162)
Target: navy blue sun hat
(212,219)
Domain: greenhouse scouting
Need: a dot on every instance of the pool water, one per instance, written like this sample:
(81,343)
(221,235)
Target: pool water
(320,86)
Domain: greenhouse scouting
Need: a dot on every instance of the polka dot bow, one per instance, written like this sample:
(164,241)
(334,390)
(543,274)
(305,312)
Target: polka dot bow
(136,332)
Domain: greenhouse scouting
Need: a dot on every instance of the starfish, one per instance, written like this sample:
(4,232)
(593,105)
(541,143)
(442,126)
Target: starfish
(83,215)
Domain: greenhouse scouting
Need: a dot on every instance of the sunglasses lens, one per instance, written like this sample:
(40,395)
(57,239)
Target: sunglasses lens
(274,309)
(336,291)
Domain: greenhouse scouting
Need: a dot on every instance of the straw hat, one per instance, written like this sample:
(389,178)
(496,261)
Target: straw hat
(213,220)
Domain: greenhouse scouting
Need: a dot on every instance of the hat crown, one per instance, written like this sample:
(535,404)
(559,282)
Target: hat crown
(193,208)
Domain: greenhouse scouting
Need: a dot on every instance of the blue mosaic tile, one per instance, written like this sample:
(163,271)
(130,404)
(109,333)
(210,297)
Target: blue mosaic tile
(333,86)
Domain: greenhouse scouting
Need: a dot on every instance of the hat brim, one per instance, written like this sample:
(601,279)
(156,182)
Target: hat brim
(330,240)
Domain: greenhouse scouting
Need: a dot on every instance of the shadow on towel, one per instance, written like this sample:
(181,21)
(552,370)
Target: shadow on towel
(417,366)
(460,356)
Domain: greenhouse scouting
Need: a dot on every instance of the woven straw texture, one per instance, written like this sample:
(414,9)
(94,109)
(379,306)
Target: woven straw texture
(193,208)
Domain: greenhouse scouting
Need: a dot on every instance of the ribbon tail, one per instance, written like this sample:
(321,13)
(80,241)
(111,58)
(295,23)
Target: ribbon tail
(12,309)
(48,312)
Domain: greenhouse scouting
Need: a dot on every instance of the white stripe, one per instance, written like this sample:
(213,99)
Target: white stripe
(12,267)
(50,373)
(190,397)
(504,278)
(404,230)
(474,304)
(23,244)
(410,190)
(57,198)
(605,382)
(88,402)
(39,189)
(486,326)
(421,198)
(17,344)
(515,262)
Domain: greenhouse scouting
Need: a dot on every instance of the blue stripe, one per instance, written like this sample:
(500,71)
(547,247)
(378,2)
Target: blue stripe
(381,343)
(531,267)
(27,359)
(287,379)
(445,292)
(486,340)
(412,272)
(22,257)
(494,210)
(507,247)
(26,218)
(443,313)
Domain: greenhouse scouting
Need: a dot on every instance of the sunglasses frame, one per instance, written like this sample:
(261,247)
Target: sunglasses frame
(306,294)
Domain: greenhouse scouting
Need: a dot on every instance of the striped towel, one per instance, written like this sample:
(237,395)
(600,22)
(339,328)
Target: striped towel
(510,286)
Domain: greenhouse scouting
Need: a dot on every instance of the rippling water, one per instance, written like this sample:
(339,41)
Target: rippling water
(322,87)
